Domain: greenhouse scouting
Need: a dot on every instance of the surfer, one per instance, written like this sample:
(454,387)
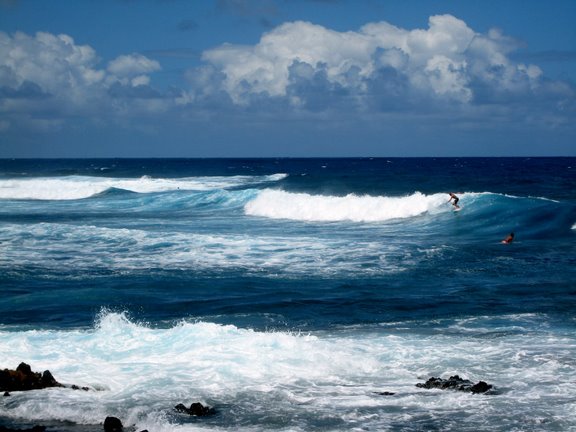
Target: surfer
(509,239)
(455,198)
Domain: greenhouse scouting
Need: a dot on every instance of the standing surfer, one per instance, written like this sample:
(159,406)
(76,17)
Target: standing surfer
(455,198)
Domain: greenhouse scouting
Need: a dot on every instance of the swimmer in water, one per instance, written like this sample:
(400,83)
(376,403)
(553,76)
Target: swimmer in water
(509,239)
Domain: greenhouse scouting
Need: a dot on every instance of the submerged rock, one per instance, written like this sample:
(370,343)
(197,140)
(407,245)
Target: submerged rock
(75,387)
(386,393)
(24,379)
(196,409)
(455,383)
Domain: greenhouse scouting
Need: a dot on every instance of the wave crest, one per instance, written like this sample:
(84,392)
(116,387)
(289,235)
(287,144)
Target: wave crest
(305,207)
(79,187)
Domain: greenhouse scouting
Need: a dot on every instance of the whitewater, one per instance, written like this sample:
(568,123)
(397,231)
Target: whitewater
(290,294)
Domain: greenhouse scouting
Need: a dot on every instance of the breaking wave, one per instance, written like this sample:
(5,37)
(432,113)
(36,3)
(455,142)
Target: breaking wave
(79,187)
(304,207)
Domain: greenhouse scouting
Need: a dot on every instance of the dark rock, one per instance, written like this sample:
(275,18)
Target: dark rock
(24,379)
(112,424)
(6,394)
(455,383)
(196,409)
(75,387)
(181,408)
(480,387)
(48,380)
(24,368)
(385,393)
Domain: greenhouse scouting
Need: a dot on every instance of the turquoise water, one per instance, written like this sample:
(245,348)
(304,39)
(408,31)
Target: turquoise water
(288,293)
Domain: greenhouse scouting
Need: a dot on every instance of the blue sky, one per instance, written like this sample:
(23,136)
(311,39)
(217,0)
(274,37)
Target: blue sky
(287,78)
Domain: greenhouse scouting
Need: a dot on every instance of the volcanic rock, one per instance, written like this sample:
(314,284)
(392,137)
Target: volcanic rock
(196,409)
(112,424)
(24,379)
(455,383)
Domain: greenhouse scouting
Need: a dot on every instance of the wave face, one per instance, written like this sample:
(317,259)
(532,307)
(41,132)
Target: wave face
(290,293)
(485,209)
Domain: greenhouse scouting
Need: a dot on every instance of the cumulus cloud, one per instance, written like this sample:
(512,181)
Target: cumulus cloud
(309,65)
(50,75)
(132,65)
(51,62)
(297,67)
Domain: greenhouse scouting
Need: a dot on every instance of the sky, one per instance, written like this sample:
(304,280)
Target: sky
(287,78)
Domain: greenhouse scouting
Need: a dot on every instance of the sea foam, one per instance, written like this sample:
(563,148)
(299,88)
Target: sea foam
(305,207)
(139,373)
(130,250)
(79,187)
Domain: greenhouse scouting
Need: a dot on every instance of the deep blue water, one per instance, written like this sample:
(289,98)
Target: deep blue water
(288,292)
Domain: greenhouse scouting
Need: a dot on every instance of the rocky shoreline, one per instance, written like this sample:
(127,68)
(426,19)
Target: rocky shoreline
(24,379)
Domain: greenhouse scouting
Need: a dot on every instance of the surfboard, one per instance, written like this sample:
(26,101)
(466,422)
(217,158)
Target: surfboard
(457,209)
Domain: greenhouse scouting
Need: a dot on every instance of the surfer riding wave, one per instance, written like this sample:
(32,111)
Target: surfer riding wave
(455,198)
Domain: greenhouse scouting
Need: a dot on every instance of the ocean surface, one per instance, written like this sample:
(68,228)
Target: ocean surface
(290,294)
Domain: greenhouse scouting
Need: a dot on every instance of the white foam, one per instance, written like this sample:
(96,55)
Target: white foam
(142,372)
(305,207)
(78,187)
(89,248)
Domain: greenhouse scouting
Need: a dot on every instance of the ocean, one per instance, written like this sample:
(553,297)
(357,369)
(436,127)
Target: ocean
(290,294)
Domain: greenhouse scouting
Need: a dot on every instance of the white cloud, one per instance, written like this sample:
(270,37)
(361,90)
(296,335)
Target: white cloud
(46,78)
(132,65)
(448,77)
(49,81)
(446,36)
(445,63)
(61,69)
(52,62)
(265,67)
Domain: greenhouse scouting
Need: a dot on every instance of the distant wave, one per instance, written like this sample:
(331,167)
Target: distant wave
(305,207)
(79,187)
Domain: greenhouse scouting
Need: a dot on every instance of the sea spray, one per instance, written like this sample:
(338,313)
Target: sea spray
(139,373)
